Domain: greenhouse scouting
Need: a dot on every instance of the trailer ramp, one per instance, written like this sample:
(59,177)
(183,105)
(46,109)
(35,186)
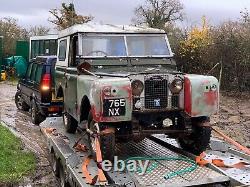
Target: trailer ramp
(61,144)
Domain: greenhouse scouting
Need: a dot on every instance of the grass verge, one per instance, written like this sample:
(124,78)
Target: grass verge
(14,161)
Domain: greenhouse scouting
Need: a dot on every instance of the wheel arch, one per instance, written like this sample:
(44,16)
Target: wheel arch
(59,92)
(85,108)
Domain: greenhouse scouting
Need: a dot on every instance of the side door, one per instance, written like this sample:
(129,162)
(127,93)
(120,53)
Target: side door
(66,77)
(71,78)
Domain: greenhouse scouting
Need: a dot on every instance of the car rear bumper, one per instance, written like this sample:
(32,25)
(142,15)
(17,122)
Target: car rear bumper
(53,108)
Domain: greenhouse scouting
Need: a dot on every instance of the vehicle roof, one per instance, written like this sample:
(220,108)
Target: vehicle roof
(48,60)
(45,37)
(106,28)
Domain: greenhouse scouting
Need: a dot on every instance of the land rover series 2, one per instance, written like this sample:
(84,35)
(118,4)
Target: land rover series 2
(123,82)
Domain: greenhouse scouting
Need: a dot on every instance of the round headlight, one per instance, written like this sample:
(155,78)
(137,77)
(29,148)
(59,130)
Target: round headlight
(176,86)
(137,87)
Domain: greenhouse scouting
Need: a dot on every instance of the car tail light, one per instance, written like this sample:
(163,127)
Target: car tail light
(54,109)
(46,82)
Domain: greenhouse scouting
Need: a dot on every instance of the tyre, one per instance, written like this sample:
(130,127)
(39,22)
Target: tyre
(197,141)
(70,123)
(107,142)
(55,164)
(20,104)
(36,116)
(62,177)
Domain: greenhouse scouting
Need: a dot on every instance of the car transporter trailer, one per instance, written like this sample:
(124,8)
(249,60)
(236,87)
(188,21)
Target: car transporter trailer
(72,164)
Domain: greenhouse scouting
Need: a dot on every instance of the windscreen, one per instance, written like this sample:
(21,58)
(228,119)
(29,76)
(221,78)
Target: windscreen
(101,46)
(147,46)
(139,45)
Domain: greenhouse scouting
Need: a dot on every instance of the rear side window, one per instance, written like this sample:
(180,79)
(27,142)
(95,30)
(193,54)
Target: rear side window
(28,73)
(33,73)
(62,50)
(39,71)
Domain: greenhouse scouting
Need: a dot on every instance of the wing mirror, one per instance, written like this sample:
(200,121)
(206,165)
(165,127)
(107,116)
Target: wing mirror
(83,68)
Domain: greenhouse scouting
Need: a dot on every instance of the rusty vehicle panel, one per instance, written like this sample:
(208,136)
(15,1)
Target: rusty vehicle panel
(201,94)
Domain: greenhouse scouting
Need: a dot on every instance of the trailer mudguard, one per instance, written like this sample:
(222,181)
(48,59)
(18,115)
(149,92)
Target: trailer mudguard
(201,95)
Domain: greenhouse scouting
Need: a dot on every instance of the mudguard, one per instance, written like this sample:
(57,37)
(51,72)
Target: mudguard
(120,90)
(201,95)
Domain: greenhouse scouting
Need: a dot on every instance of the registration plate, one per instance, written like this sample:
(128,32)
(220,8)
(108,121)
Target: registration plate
(114,107)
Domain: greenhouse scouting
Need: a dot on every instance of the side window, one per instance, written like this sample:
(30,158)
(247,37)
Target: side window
(47,51)
(62,50)
(39,71)
(41,47)
(28,72)
(33,72)
(53,47)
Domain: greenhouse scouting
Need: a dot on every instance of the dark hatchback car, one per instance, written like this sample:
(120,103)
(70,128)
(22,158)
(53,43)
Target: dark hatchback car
(35,92)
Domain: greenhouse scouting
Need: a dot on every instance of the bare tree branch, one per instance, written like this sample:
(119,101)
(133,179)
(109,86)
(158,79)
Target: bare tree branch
(67,16)
(158,13)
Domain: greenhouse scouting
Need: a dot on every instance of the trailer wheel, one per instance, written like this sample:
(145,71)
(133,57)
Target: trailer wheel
(62,177)
(107,142)
(55,164)
(197,141)
(70,123)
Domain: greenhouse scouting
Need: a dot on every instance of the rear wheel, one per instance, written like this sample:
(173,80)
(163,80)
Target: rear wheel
(36,116)
(198,140)
(70,123)
(107,141)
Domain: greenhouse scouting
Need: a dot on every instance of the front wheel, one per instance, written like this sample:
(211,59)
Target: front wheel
(197,141)
(107,141)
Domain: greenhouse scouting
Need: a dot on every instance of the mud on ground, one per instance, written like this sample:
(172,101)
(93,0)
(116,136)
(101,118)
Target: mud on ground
(233,118)
(31,135)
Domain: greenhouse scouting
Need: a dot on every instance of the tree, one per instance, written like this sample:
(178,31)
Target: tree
(159,13)
(38,30)
(193,51)
(11,32)
(67,16)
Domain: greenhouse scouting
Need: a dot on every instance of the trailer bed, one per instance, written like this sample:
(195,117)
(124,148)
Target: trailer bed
(61,144)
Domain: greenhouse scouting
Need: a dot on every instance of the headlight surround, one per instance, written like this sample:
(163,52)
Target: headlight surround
(176,86)
(137,87)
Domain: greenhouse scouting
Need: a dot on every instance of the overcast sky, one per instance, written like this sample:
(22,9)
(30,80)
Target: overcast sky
(33,12)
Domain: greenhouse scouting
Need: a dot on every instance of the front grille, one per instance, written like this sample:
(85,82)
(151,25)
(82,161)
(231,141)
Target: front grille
(175,101)
(156,92)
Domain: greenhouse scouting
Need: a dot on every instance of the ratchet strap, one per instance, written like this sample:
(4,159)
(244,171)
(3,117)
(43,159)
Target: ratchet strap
(100,177)
(218,162)
(233,142)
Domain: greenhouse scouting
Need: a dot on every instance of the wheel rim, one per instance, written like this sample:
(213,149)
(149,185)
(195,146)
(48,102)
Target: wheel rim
(95,129)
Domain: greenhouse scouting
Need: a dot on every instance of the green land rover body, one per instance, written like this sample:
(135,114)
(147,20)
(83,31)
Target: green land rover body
(123,81)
